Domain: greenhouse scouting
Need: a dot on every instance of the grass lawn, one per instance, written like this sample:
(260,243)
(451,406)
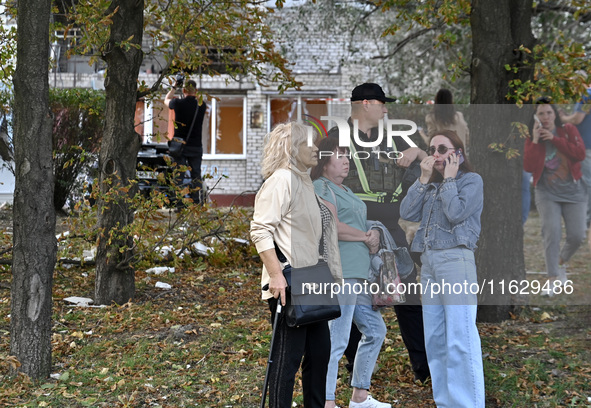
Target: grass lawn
(204,343)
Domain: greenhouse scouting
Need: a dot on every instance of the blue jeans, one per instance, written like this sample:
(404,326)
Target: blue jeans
(355,308)
(586,169)
(451,336)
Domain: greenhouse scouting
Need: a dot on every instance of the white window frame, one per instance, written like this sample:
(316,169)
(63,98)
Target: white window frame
(148,122)
(212,105)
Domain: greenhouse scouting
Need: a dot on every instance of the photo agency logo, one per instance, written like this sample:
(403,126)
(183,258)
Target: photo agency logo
(402,128)
(318,125)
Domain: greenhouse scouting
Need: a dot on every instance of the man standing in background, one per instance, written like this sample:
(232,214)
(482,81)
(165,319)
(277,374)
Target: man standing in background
(189,116)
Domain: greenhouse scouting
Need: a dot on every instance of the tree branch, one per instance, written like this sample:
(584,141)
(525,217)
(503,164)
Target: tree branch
(154,88)
(545,7)
(401,44)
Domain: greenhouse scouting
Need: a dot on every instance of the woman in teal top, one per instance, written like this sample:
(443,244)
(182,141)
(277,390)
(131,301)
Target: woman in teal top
(352,213)
(355,244)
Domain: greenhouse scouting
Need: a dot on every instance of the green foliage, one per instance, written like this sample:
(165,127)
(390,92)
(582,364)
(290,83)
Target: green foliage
(554,74)
(159,235)
(198,346)
(77,130)
(563,34)
(440,31)
(7,62)
(436,34)
(7,67)
(509,147)
(197,37)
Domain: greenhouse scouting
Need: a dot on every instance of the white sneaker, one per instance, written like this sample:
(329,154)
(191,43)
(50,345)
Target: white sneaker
(369,403)
(562,273)
(554,289)
(547,292)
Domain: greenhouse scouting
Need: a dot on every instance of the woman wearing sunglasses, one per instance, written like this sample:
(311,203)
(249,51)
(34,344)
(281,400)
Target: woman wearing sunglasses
(447,200)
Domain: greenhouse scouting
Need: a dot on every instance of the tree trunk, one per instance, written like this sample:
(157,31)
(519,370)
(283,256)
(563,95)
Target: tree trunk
(115,281)
(35,244)
(498,29)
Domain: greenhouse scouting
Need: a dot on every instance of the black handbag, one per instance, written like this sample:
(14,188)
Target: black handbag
(309,296)
(176,147)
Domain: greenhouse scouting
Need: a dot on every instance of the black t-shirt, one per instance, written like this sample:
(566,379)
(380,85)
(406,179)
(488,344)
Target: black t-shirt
(184,111)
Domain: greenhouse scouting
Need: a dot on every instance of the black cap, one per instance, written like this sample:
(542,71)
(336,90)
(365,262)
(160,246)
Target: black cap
(369,91)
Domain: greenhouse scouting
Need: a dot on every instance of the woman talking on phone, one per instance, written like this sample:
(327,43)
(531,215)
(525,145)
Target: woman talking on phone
(447,200)
(553,154)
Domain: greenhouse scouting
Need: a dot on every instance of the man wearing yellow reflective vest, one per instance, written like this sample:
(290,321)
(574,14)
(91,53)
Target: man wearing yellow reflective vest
(375,176)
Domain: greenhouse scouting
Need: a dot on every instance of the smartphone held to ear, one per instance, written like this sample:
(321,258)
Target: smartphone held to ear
(459,156)
(538,120)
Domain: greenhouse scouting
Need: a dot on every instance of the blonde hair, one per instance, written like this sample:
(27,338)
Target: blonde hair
(281,146)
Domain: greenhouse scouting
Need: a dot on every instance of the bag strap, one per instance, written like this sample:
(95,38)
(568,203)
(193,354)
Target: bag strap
(193,122)
(279,254)
(282,258)
(320,207)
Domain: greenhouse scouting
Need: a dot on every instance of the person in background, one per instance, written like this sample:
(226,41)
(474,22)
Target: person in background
(553,153)
(582,119)
(447,200)
(188,110)
(445,116)
(355,245)
(377,181)
(288,214)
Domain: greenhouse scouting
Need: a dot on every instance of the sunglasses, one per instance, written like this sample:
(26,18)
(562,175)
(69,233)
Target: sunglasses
(441,149)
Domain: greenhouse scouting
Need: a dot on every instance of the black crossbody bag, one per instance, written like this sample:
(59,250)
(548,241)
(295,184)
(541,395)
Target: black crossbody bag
(309,297)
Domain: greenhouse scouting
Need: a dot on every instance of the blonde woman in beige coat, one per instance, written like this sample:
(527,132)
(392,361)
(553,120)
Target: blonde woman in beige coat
(288,213)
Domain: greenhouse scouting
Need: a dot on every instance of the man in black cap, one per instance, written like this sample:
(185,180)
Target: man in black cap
(370,91)
(376,179)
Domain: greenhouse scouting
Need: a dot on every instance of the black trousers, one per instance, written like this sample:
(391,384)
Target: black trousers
(410,314)
(194,162)
(313,343)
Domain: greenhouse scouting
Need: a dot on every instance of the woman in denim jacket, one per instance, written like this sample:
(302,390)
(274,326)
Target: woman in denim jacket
(447,200)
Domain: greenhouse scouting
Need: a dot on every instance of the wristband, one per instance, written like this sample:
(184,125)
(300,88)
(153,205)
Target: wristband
(447,180)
